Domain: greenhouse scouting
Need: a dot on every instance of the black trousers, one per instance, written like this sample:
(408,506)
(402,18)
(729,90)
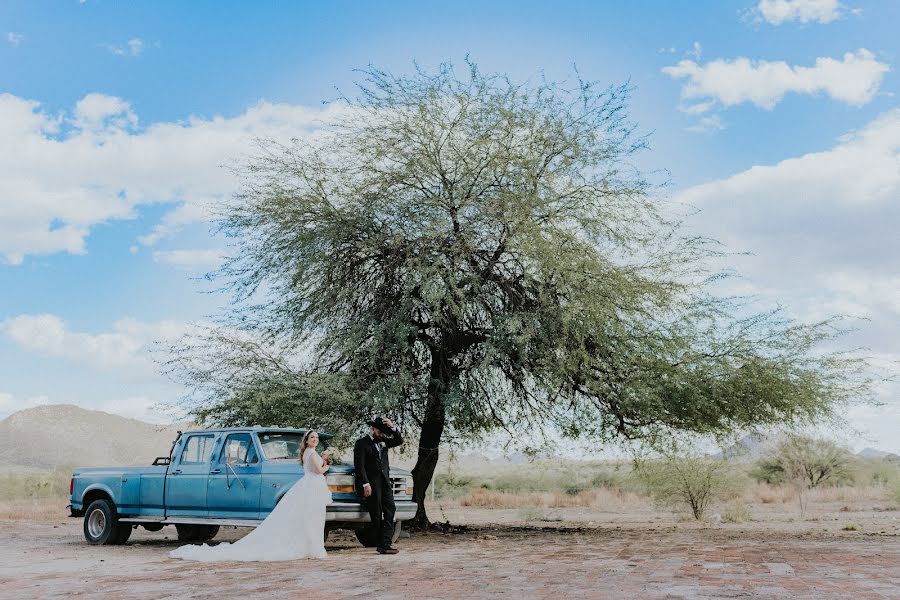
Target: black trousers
(381,510)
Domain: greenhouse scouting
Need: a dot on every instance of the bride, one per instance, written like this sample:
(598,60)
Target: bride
(294,529)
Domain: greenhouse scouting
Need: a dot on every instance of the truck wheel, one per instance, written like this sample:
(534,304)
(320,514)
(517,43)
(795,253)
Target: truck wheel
(196,533)
(370,538)
(123,532)
(101,524)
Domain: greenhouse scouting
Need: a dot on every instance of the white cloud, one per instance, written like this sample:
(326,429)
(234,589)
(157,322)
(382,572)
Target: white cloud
(15,38)
(696,51)
(190,260)
(777,12)
(823,230)
(133,47)
(707,124)
(63,174)
(96,112)
(853,80)
(136,46)
(127,345)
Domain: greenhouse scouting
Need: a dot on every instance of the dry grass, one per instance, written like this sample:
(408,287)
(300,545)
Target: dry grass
(38,509)
(602,498)
(763,493)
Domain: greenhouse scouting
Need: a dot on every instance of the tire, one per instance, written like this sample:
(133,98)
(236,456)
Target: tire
(196,533)
(371,538)
(101,524)
(123,533)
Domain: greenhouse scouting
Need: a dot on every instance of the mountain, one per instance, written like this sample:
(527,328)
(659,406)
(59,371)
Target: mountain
(751,447)
(63,435)
(872,453)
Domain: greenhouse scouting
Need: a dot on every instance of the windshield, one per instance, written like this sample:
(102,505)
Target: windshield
(276,445)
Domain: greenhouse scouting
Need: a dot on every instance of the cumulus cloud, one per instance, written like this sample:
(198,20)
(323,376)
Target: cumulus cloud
(777,12)
(190,260)
(127,345)
(15,38)
(822,228)
(63,174)
(853,80)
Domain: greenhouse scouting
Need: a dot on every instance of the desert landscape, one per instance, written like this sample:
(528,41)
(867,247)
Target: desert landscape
(511,528)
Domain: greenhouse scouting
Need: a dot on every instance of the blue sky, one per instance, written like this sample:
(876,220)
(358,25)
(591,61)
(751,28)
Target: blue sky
(778,118)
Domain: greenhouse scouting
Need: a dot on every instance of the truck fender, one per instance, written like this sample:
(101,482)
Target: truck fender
(98,487)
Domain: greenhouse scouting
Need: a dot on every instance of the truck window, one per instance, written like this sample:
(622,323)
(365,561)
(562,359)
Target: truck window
(198,449)
(238,449)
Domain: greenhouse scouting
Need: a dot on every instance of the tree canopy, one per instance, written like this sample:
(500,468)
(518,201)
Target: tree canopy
(471,254)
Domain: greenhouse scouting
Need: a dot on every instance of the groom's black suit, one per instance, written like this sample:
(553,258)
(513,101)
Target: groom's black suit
(373,466)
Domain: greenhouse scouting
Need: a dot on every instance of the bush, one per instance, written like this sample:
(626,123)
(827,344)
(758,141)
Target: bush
(805,461)
(690,481)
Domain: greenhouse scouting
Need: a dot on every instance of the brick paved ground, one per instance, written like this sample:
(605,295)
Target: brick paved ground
(38,560)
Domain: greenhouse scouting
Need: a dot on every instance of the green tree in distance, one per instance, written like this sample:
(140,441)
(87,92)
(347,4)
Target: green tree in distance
(470,255)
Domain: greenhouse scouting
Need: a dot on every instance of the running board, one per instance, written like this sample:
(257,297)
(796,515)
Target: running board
(192,521)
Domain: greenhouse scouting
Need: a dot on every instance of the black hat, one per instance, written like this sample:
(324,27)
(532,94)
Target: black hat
(378,423)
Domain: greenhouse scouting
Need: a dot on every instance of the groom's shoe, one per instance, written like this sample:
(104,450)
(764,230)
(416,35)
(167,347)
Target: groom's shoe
(388,551)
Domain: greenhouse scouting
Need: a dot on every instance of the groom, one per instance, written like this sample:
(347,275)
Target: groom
(373,477)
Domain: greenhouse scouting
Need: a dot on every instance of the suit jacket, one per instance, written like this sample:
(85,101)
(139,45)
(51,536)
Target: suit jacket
(371,466)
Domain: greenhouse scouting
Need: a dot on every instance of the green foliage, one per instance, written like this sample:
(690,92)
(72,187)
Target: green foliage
(475,253)
(469,254)
(688,481)
(805,461)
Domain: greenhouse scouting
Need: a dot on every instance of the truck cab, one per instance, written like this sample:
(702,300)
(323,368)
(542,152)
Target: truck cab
(215,477)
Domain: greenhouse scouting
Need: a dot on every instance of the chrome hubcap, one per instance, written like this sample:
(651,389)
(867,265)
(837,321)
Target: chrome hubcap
(96,523)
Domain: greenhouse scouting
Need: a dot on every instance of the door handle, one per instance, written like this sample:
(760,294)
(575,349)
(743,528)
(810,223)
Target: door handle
(176,471)
(215,471)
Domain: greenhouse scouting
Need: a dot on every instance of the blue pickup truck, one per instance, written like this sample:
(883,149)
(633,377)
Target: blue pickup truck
(216,477)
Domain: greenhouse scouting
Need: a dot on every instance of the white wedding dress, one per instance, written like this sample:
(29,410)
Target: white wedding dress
(294,529)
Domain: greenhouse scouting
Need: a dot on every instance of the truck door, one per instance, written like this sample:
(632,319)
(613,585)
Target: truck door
(186,479)
(234,479)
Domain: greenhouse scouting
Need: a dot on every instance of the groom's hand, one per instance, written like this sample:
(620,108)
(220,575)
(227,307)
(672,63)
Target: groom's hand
(367,490)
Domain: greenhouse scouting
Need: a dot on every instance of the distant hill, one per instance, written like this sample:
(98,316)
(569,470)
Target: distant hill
(751,447)
(64,435)
(872,453)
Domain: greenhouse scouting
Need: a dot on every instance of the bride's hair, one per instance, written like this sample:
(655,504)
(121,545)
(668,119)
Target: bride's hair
(305,442)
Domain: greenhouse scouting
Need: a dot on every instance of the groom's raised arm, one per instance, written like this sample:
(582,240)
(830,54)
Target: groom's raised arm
(359,464)
(395,438)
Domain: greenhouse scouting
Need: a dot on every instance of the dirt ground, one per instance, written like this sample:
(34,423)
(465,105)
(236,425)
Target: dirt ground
(575,557)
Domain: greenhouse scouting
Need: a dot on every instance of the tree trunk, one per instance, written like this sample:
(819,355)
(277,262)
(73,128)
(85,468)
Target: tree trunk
(430,438)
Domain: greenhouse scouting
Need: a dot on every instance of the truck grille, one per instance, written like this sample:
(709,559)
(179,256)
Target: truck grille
(398,485)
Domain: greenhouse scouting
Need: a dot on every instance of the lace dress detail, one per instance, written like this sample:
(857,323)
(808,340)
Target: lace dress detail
(294,529)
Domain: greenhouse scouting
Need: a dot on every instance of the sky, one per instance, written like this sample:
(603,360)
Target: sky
(777,119)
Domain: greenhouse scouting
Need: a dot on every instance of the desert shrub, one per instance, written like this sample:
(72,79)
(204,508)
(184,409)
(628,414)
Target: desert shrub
(895,492)
(808,461)
(690,481)
(736,512)
(876,471)
(452,485)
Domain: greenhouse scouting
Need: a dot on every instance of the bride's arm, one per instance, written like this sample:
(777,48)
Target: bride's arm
(319,465)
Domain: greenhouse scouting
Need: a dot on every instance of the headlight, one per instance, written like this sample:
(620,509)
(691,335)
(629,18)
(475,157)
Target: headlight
(340,483)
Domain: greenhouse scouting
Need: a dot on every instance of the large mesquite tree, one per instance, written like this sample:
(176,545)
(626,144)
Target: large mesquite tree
(471,254)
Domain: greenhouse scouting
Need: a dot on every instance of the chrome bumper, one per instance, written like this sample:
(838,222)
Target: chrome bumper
(356,512)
